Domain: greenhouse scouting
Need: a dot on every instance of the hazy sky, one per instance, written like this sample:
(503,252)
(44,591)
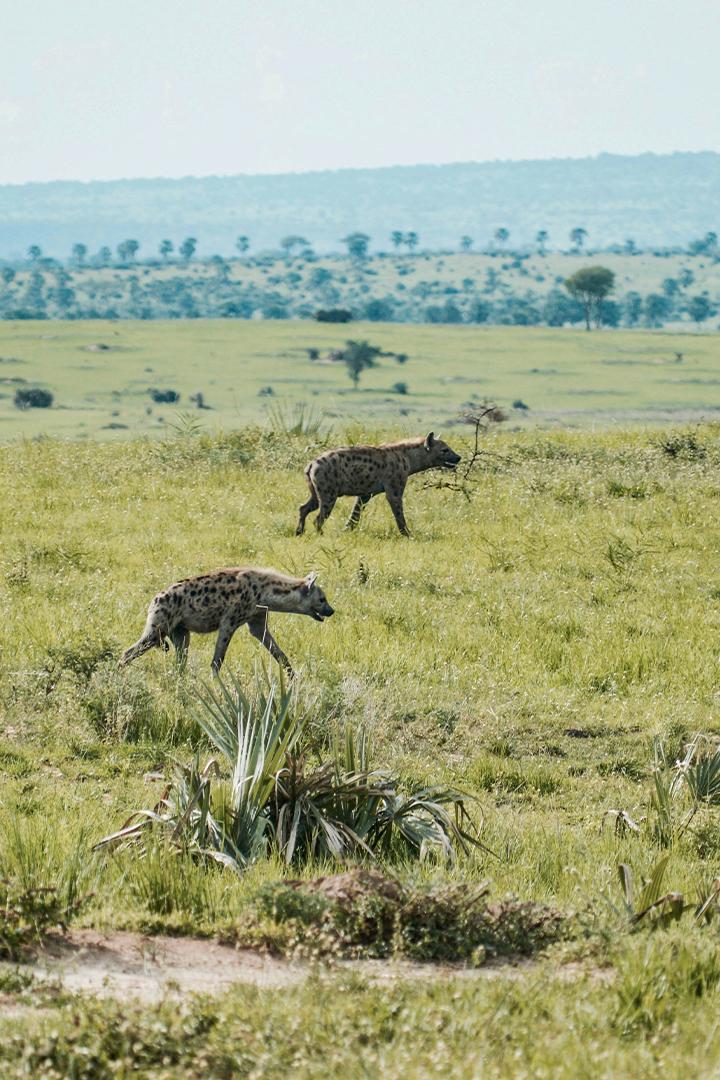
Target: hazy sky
(112,88)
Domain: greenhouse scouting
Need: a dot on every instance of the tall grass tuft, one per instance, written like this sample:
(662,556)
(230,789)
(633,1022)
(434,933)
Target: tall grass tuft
(299,419)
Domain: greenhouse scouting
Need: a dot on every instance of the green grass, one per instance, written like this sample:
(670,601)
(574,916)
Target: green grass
(526,645)
(563,375)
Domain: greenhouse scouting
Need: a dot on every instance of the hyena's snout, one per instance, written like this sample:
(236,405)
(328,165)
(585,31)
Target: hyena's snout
(323,612)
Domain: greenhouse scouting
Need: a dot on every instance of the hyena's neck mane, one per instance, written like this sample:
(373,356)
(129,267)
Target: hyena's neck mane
(404,444)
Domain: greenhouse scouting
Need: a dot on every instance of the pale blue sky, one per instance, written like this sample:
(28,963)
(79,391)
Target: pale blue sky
(111,88)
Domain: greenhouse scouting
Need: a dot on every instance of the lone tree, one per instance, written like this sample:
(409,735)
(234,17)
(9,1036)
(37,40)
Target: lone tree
(127,250)
(590,286)
(289,243)
(578,237)
(502,236)
(397,238)
(357,357)
(699,308)
(242,244)
(187,248)
(411,241)
(541,239)
(466,242)
(357,244)
(166,249)
(79,252)
(34,253)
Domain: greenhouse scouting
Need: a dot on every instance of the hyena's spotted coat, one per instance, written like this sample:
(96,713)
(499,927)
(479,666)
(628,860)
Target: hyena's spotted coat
(365,471)
(222,601)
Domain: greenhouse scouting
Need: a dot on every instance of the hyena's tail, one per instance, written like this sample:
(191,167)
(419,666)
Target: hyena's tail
(153,636)
(312,504)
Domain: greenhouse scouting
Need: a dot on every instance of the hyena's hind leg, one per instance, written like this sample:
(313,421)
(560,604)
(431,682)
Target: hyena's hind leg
(326,508)
(307,507)
(180,638)
(360,502)
(152,638)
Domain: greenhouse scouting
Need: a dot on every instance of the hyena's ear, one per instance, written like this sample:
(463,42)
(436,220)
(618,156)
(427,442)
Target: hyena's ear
(429,440)
(309,581)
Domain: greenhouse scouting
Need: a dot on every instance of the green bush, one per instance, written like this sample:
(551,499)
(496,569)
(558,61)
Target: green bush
(363,913)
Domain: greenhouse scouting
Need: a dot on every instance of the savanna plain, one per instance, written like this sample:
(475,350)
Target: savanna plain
(545,643)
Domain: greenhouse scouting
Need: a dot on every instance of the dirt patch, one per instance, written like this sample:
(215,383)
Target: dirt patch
(149,968)
(120,963)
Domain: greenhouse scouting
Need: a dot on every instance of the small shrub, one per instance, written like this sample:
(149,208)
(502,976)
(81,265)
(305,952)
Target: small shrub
(400,388)
(83,660)
(362,913)
(684,446)
(619,490)
(520,404)
(32,398)
(333,315)
(28,915)
(164,397)
(266,391)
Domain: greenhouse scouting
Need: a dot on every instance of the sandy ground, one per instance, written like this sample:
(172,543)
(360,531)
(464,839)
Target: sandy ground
(119,963)
(150,968)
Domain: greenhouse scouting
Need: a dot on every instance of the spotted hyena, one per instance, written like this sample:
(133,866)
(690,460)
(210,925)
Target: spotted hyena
(222,601)
(365,471)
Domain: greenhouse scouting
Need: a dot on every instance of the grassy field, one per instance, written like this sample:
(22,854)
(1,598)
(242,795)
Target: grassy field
(528,644)
(564,376)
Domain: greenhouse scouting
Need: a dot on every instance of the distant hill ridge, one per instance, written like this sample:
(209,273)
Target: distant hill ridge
(654,199)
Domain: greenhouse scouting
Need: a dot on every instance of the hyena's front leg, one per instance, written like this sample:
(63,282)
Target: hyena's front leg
(394,496)
(225,632)
(180,638)
(360,502)
(258,627)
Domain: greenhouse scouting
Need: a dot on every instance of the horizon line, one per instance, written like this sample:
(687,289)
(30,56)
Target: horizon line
(357,169)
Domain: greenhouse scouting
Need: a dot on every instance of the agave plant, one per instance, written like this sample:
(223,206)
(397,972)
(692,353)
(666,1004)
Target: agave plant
(254,735)
(344,808)
(182,812)
(662,908)
(699,771)
(300,419)
(678,791)
(335,810)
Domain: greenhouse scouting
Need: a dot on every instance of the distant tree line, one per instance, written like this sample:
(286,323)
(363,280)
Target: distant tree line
(302,289)
(357,245)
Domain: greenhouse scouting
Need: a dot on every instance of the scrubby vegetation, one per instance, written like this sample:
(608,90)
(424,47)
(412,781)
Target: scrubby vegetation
(27,915)
(275,803)
(364,914)
(678,288)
